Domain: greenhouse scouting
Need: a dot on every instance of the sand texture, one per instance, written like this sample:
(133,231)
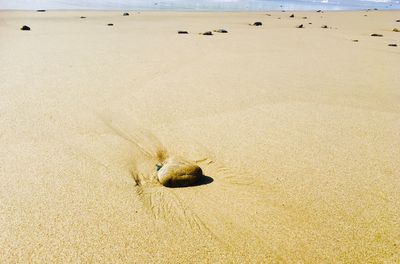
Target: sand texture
(297,131)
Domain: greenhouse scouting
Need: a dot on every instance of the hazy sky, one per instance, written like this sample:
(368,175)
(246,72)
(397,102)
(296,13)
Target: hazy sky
(199,4)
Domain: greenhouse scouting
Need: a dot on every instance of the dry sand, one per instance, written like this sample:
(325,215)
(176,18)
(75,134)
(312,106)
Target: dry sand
(298,128)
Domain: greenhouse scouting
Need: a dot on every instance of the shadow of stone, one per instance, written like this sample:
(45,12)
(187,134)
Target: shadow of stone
(203,181)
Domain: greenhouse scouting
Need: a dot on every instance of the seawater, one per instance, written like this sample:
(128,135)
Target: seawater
(204,5)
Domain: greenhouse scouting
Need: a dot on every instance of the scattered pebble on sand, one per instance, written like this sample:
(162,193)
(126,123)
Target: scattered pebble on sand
(221,30)
(376,35)
(25,28)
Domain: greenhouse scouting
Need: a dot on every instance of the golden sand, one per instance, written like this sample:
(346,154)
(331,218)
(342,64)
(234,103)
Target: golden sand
(299,130)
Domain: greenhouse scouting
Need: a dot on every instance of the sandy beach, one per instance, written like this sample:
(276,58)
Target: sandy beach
(298,130)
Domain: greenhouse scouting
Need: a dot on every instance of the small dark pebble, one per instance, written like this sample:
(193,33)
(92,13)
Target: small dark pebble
(398,20)
(291,16)
(355,40)
(25,28)
(110,24)
(396,30)
(41,10)
(309,23)
(300,26)
(304,17)
(182,32)
(324,26)
(257,24)
(392,45)
(125,14)
(207,33)
(221,30)
(83,17)
(376,35)
(319,11)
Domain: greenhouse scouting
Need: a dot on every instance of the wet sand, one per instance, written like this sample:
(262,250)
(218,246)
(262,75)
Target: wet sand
(298,131)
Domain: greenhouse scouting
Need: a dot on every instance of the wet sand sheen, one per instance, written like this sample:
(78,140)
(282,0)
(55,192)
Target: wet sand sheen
(297,129)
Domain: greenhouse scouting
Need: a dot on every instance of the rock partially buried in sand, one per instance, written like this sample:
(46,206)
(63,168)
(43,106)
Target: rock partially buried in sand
(392,45)
(398,20)
(41,10)
(25,28)
(376,35)
(257,24)
(396,30)
(176,172)
(125,14)
(300,26)
(110,24)
(291,16)
(183,32)
(221,30)
(83,17)
(207,33)
(324,26)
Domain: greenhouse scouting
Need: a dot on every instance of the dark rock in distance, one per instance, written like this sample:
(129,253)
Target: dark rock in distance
(41,10)
(376,35)
(291,16)
(125,14)
(300,26)
(324,26)
(221,30)
(392,45)
(207,33)
(25,28)
(396,30)
(355,40)
(110,24)
(257,24)
(83,17)
(183,32)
